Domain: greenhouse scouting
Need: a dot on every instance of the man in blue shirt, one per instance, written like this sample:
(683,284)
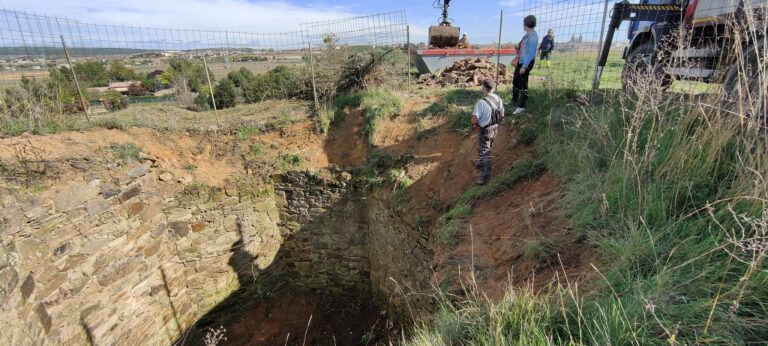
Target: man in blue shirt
(524,63)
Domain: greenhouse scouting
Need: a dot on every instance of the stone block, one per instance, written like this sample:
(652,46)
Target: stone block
(107,194)
(74,195)
(166,177)
(137,232)
(96,206)
(134,208)
(180,229)
(9,279)
(139,171)
(92,246)
(159,230)
(28,287)
(31,250)
(117,271)
(130,193)
(45,319)
(199,226)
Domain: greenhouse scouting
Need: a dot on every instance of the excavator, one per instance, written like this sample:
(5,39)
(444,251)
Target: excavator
(443,35)
(445,47)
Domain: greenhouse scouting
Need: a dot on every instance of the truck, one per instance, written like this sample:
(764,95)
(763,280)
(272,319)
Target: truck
(690,40)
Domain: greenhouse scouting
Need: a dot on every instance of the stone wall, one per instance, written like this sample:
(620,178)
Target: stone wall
(126,259)
(134,257)
(325,227)
(400,257)
(344,238)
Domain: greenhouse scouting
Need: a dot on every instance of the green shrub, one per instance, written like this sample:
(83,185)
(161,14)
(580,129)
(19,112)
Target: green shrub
(225,94)
(256,149)
(241,76)
(246,131)
(282,82)
(113,101)
(203,100)
(109,124)
(287,162)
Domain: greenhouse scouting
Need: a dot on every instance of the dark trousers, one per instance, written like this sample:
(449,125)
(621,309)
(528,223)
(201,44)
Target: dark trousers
(520,85)
(484,143)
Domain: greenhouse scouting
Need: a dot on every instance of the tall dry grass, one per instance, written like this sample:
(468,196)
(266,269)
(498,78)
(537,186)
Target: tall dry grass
(671,190)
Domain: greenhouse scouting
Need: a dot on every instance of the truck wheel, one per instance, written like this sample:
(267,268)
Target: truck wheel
(744,88)
(641,66)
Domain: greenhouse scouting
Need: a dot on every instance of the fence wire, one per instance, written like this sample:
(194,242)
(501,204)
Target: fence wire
(580,26)
(578,30)
(31,46)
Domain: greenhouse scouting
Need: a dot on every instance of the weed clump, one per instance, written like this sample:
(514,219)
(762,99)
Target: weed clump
(125,152)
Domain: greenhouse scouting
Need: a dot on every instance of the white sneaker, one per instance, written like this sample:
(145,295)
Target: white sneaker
(518,111)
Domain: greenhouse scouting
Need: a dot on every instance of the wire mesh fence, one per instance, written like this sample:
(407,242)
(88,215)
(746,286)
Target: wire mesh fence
(148,64)
(577,29)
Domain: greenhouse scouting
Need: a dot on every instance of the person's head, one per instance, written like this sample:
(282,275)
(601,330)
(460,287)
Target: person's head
(465,35)
(529,23)
(488,85)
(551,32)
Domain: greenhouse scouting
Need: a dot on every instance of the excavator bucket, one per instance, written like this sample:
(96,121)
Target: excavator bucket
(443,36)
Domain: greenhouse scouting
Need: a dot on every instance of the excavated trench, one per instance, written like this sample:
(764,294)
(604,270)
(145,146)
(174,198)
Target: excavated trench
(346,272)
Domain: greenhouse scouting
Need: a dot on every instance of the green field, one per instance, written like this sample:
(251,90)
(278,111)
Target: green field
(577,70)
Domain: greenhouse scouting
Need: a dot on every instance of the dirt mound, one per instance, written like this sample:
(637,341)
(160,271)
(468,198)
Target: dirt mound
(518,238)
(466,73)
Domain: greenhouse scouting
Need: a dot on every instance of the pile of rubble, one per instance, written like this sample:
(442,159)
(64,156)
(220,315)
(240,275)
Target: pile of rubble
(466,73)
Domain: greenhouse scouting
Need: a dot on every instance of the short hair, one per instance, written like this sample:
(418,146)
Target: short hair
(530,21)
(489,84)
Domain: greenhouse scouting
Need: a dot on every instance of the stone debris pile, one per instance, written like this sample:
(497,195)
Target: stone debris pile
(466,73)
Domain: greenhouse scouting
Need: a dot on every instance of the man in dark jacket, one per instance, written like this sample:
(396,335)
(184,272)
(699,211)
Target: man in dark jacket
(546,48)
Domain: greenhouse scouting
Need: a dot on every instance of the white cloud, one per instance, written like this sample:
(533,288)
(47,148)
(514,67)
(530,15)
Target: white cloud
(232,15)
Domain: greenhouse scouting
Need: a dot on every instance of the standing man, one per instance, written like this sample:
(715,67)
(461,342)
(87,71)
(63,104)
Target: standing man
(485,120)
(524,63)
(546,48)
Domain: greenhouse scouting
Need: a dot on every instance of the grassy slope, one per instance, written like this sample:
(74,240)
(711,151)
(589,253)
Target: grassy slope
(673,199)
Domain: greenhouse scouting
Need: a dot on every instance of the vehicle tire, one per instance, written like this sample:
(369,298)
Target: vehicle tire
(744,89)
(641,65)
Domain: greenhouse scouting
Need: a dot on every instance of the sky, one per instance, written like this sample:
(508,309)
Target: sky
(480,19)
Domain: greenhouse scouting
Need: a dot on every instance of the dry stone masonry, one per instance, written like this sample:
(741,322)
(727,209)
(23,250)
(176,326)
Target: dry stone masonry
(115,264)
(137,258)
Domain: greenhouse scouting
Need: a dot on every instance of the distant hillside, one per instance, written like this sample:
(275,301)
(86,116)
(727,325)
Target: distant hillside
(54,51)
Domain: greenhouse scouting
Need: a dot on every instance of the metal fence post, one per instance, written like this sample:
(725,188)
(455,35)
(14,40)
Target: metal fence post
(74,76)
(408,43)
(210,87)
(314,84)
(595,79)
(498,49)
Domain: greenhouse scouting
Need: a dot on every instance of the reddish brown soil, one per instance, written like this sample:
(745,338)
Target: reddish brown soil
(284,320)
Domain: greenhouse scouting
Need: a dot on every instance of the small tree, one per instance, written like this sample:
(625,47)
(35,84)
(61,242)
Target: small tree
(240,77)
(92,73)
(119,72)
(225,94)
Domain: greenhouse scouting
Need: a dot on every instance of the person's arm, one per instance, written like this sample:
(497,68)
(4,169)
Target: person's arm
(533,50)
(529,53)
(473,119)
